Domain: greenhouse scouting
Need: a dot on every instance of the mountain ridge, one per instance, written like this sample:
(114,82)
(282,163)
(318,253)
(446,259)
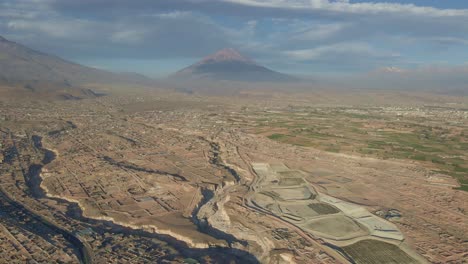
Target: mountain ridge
(28,72)
(19,63)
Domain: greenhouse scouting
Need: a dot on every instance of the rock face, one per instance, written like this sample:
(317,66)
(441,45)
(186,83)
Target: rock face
(229,64)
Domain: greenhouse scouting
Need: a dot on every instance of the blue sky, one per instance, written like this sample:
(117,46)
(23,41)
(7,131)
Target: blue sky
(303,37)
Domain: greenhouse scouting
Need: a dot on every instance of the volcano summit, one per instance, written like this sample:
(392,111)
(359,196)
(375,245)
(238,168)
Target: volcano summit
(228,64)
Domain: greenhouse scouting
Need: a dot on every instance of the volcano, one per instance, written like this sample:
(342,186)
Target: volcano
(228,64)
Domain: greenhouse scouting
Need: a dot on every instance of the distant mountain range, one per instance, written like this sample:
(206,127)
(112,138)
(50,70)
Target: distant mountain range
(39,72)
(230,65)
(26,72)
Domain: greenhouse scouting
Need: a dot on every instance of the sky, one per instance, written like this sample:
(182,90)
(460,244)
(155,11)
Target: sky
(302,37)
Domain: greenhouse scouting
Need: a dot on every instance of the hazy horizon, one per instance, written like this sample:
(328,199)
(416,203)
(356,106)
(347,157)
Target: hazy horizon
(305,38)
(233,131)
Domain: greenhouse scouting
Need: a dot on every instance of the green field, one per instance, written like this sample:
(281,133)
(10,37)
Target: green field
(322,208)
(436,141)
(377,252)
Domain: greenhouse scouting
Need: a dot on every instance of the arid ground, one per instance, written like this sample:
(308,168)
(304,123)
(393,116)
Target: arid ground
(256,177)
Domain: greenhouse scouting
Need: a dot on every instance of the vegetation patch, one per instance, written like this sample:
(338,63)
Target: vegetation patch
(291,181)
(377,252)
(371,132)
(276,136)
(323,209)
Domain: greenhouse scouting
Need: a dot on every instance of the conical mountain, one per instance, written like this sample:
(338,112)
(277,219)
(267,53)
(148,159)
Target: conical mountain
(228,64)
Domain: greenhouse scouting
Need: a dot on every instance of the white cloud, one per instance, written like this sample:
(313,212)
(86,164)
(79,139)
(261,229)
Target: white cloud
(55,28)
(130,36)
(312,33)
(438,39)
(319,31)
(252,24)
(174,14)
(143,35)
(344,6)
(338,49)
